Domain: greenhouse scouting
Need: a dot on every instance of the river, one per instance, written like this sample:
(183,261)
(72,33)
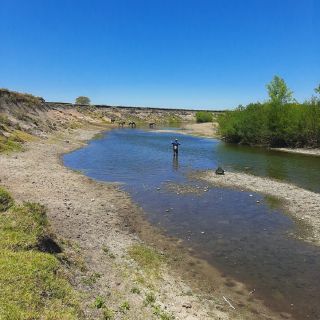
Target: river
(241,233)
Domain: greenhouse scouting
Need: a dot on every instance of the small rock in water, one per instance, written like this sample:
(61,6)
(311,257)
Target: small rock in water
(158,189)
(257,201)
(250,195)
(202,232)
(167,210)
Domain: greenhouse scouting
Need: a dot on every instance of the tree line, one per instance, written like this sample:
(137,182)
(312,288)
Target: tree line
(279,122)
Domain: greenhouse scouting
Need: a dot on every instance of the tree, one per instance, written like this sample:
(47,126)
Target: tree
(203,116)
(317,89)
(83,100)
(278,91)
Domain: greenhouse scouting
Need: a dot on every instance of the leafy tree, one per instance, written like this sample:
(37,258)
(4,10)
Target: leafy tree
(279,92)
(83,100)
(317,89)
(273,124)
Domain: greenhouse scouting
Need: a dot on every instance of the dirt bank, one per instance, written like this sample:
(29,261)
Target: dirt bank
(133,280)
(196,129)
(301,204)
(207,129)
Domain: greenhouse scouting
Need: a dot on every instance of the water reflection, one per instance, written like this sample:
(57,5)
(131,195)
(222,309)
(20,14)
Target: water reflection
(175,162)
(298,169)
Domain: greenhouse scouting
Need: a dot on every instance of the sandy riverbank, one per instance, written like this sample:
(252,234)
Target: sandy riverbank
(96,219)
(310,152)
(208,129)
(301,204)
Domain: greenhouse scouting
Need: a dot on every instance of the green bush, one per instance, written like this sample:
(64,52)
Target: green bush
(6,200)
(204,116)
(280,122)
(273,124)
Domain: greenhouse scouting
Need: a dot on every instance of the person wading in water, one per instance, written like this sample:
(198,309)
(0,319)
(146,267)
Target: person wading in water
(175,147)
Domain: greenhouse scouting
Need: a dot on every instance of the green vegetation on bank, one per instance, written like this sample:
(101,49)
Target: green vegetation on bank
(31,281)
(17,97)
(204,116)
(6,200)
(279,122)
(15,141)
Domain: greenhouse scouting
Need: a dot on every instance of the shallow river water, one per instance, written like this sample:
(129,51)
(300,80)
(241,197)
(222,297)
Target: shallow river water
(249,241)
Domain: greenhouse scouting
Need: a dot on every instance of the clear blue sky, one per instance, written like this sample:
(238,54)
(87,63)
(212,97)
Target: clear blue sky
(171,53)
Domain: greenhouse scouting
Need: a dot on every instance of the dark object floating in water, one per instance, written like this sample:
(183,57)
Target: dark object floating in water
(219,170)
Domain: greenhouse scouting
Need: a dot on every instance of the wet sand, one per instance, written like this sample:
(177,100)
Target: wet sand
(310,152)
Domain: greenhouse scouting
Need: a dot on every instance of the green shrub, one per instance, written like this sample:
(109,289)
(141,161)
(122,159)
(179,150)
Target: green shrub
(280,122)
(273,124)
(204,116)
(135,290)
(99,302)
(6,200)
(108,314)
(125,306)
(150,298)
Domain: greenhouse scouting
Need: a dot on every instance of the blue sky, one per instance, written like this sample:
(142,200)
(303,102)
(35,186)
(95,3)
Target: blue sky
(171,53)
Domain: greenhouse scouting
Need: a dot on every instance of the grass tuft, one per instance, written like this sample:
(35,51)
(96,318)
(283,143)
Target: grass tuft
(147,258)
(150,299)
(124,307)
(6,200)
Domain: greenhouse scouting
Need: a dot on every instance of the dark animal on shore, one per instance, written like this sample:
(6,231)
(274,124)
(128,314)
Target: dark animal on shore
(112,120)
(151,124)
(219,170)
(132,124)
(122,123)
